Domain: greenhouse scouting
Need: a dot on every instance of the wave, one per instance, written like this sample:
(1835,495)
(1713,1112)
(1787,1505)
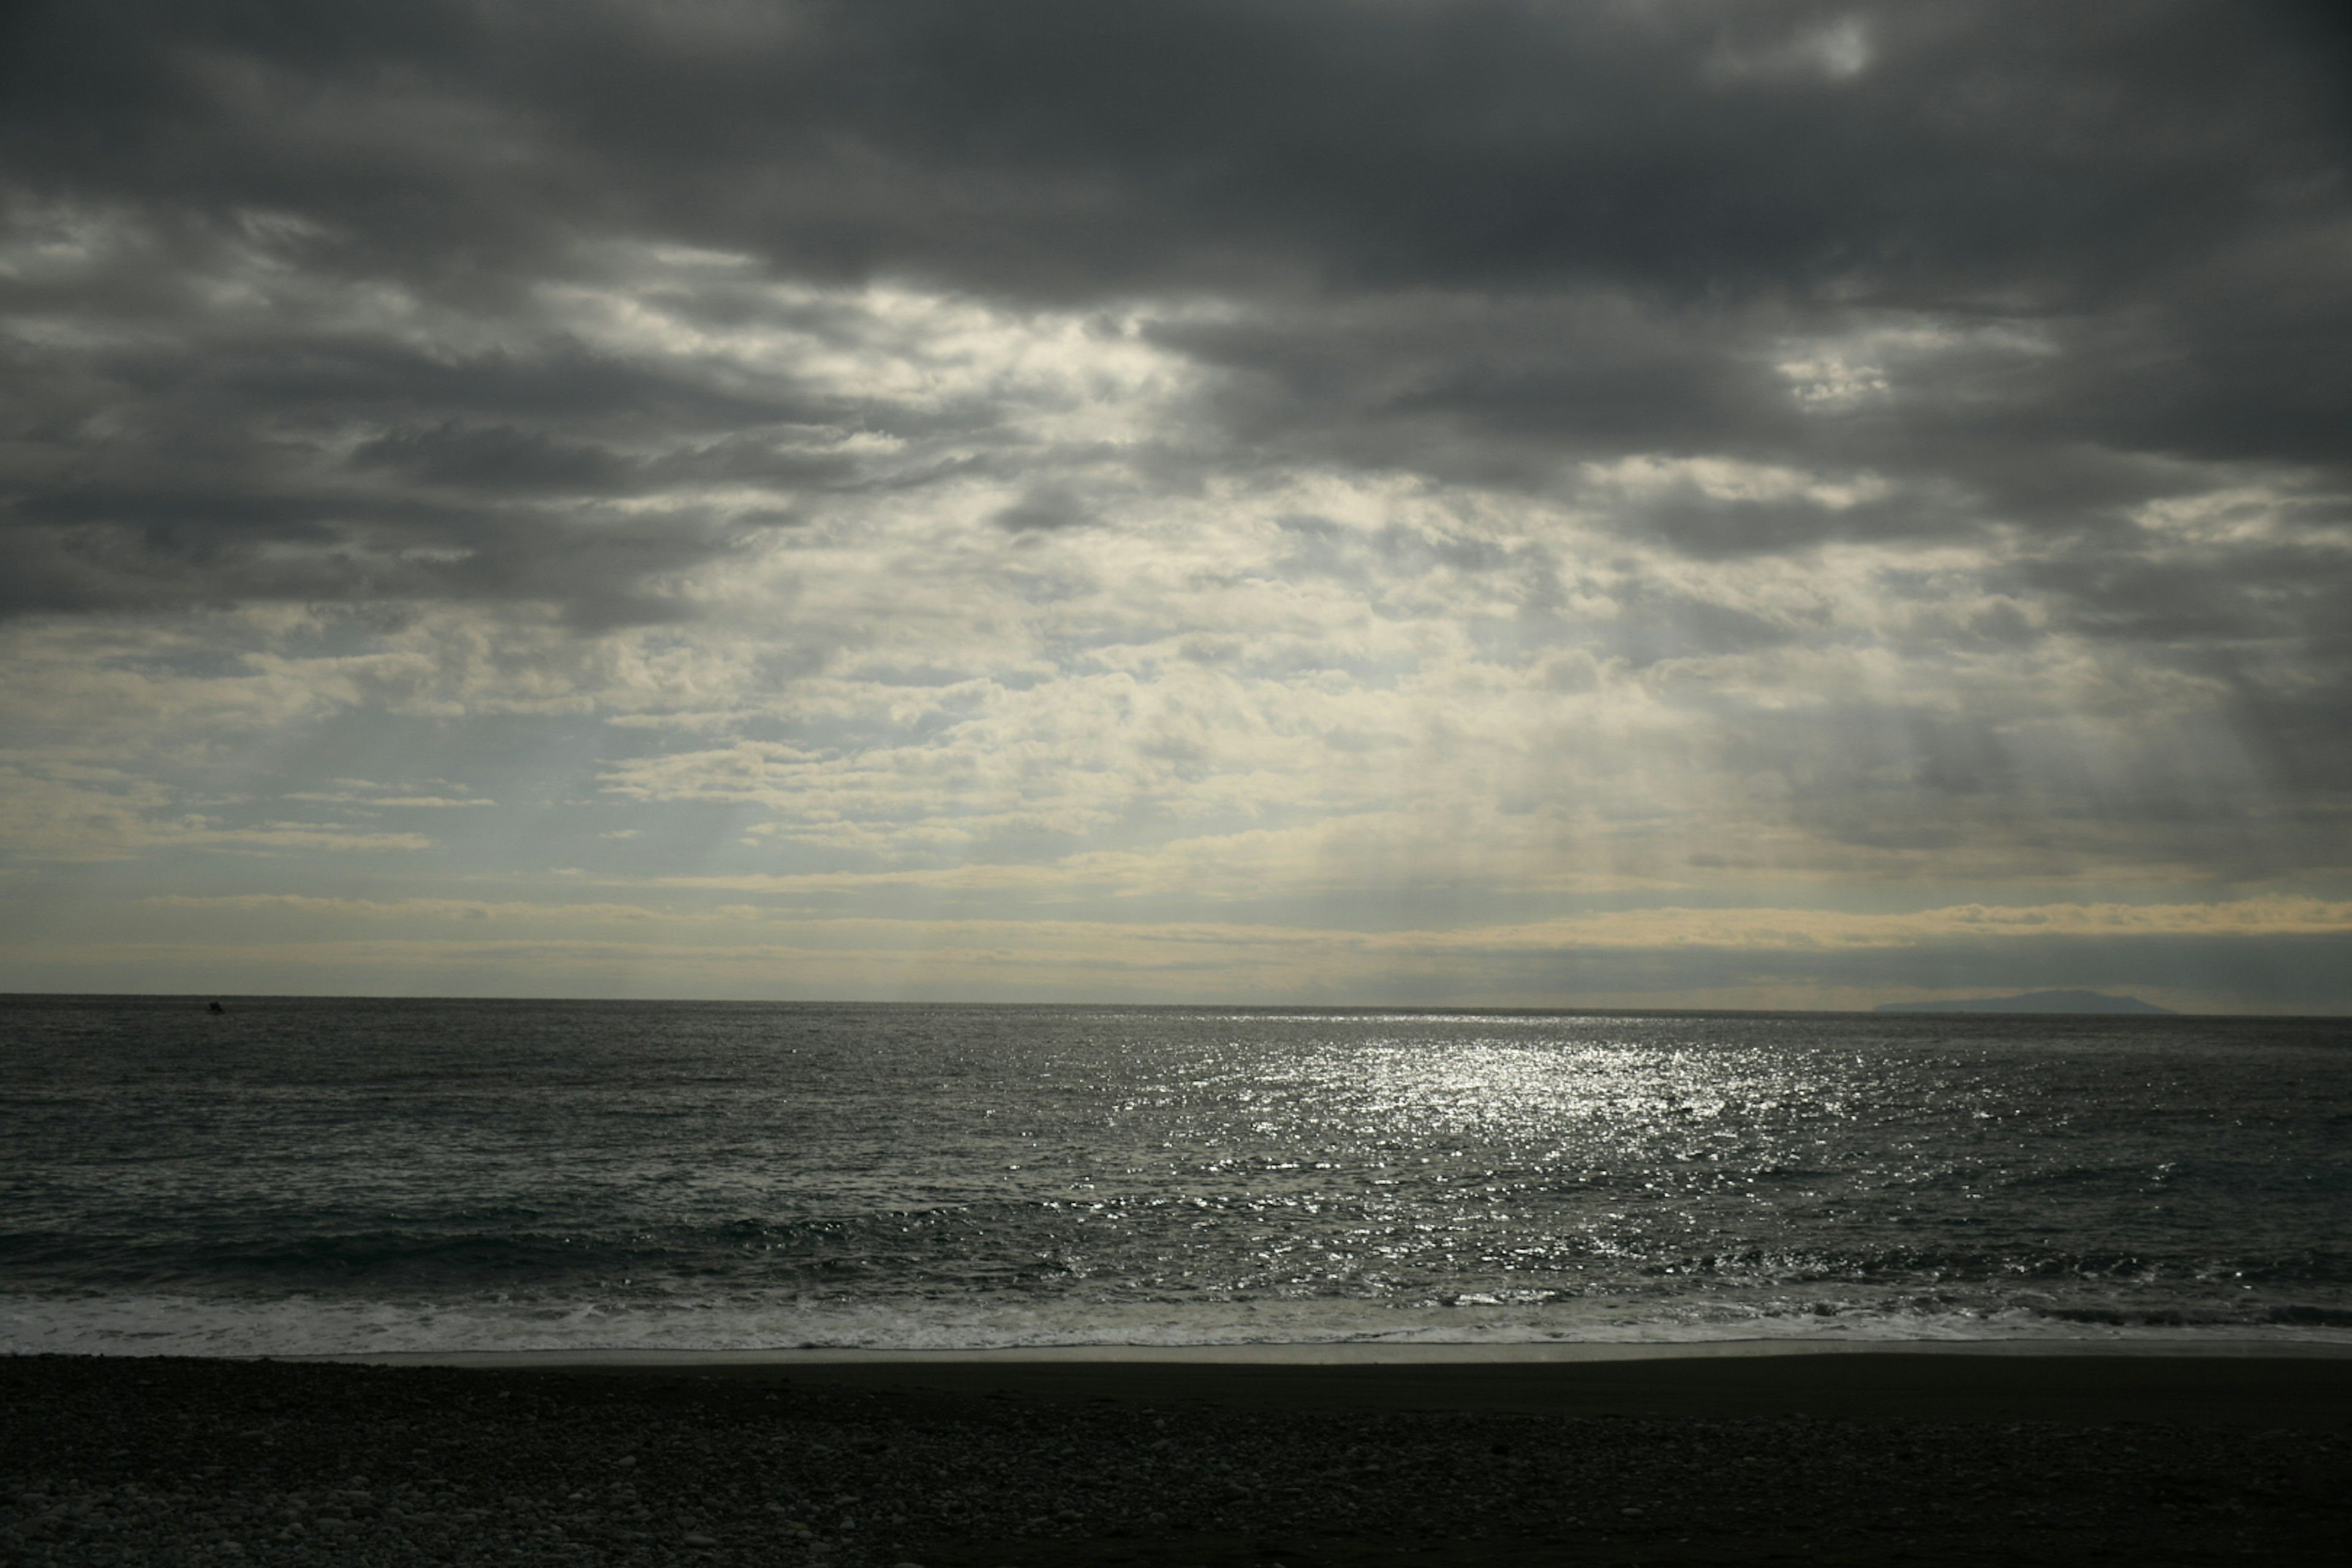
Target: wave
(162,1324)
(1049,1250)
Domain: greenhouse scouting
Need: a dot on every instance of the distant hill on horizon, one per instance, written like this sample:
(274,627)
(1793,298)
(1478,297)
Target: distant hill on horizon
(2032,1002)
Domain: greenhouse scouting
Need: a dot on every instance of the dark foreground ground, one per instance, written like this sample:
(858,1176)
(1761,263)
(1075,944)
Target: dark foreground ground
(1856,1459)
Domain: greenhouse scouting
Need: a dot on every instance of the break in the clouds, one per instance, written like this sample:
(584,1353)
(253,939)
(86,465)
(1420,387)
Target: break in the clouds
(1386,500)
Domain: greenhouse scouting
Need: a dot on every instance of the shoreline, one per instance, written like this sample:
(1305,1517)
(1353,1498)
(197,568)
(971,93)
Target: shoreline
(2242,1385)
(1341,1352)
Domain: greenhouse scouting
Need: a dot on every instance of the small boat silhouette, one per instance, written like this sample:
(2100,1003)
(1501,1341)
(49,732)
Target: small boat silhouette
(214,1007)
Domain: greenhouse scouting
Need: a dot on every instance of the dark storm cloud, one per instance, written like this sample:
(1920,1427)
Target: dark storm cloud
(207,469)
(1048,508)
(1498,389)
(1478,241)
(2265,624)
(1990,151)
(494,456)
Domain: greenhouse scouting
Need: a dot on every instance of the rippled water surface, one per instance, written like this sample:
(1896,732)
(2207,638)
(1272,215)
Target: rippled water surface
(332,1174)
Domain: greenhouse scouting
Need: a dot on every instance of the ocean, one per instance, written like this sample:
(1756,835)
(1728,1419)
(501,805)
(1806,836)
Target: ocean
(304,1176)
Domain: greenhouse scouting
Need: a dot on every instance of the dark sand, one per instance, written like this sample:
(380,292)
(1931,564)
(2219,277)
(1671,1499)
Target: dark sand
(972,1463)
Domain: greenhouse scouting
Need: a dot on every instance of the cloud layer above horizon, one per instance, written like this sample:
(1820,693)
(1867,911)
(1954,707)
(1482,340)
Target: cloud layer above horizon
(1656,503)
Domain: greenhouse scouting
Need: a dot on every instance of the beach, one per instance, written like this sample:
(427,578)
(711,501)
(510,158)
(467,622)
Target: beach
(1297,1456)
(856,1286)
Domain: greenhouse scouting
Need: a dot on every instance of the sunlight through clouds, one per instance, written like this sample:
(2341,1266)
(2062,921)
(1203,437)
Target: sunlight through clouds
(1620,505)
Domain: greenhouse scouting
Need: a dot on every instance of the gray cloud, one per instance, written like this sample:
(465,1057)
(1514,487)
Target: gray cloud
(1865,440)
(1047,508)
(1994,154)
(1472,240)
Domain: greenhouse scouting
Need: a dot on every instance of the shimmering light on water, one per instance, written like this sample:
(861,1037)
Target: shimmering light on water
(335,1172)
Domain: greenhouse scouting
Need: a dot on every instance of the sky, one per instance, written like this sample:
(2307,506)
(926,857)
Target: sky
(1639,503)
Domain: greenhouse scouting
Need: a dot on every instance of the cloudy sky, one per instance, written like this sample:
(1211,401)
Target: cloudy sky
(1635,502)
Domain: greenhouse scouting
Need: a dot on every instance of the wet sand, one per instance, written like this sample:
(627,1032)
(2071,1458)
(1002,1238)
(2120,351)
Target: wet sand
(2241,1384)
(1951,1456)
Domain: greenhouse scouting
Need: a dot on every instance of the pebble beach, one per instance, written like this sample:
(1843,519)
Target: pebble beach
(1838,1459)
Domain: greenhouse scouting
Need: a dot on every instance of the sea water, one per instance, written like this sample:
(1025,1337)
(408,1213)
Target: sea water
(306,1176)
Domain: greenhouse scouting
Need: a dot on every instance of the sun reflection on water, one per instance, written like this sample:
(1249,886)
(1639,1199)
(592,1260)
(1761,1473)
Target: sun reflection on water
(881,1176)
